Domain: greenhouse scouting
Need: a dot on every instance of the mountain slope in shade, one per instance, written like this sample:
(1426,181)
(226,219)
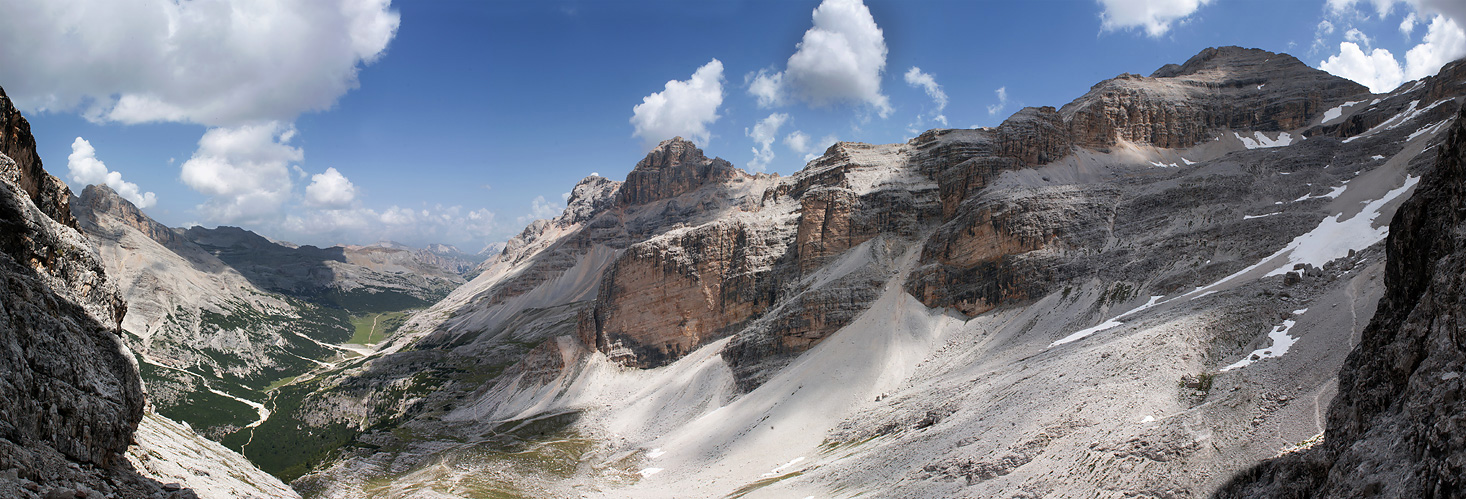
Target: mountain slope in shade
(208,340)
(1139,293)
(1394,430)
(70,396)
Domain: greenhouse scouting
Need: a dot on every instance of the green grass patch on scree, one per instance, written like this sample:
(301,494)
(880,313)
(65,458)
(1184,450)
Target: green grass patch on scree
(374,328)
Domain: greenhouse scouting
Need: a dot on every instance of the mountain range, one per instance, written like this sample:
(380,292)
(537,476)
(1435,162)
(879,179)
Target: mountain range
(1232,277)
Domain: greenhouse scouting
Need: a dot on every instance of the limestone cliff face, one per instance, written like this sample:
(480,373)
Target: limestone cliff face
(101,199)
(664,298)
(675,167)
(698,279)
(70,395)
(69,383)
(24,170)
(1398,425)
(1107,250)
(1226,87)
(994,250)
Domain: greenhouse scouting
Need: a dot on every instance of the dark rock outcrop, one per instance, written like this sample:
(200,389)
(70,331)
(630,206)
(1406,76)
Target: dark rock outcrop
(70,394)
(993,251)
(673,168)
(1398,425)
(102,199)
(1225,87)
(24,170)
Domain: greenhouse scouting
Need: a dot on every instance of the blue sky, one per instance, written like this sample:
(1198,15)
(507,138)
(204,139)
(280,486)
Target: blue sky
(350,121)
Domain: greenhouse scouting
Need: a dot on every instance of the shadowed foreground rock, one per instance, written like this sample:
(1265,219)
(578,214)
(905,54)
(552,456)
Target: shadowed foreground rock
(1398,425)
(70,395)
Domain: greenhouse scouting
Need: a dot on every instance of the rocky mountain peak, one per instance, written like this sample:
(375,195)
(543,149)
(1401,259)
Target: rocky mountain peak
(1219,88)
(20,164)
(1231,61)
(100,199)
(592,195)
(673,168)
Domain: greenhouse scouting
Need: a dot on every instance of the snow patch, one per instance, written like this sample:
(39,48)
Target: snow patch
(1430,129)
(1411,112)
(1336,112)
(1260,141)
(780,470)
(1281,342)
(1333,193)
(1113,322)
(1250,217)
(1332,239)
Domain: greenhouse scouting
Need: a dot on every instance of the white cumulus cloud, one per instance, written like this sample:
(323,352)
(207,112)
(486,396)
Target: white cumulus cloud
(797,141)
(994,109)
(1378,69)
(840,59)
(212,62)
(86,169)
(330,190)
(928,83)
(1407,25)
(1444,42)
(682,108)
(1356,36)
(245,170)
(1153,16)
(764,133)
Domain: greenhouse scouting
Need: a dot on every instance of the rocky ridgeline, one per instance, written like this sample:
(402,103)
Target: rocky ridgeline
(73,419)
(48,193)
(1396,429)
(984,251)
(70,397)
(1114,252)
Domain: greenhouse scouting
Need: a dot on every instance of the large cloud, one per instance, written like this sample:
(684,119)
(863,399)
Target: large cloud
(212,62)
(1453,9)
(840,59)
(1153,16)
(1376,69)
(682,108)
(245,170)
(1444,41)
(86,169)
(245,68)
(330,190)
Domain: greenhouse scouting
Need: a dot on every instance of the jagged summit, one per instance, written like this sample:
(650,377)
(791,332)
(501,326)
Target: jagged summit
(98,198)
(23,165)
(1219,88)
(1231,60)
(675,167)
